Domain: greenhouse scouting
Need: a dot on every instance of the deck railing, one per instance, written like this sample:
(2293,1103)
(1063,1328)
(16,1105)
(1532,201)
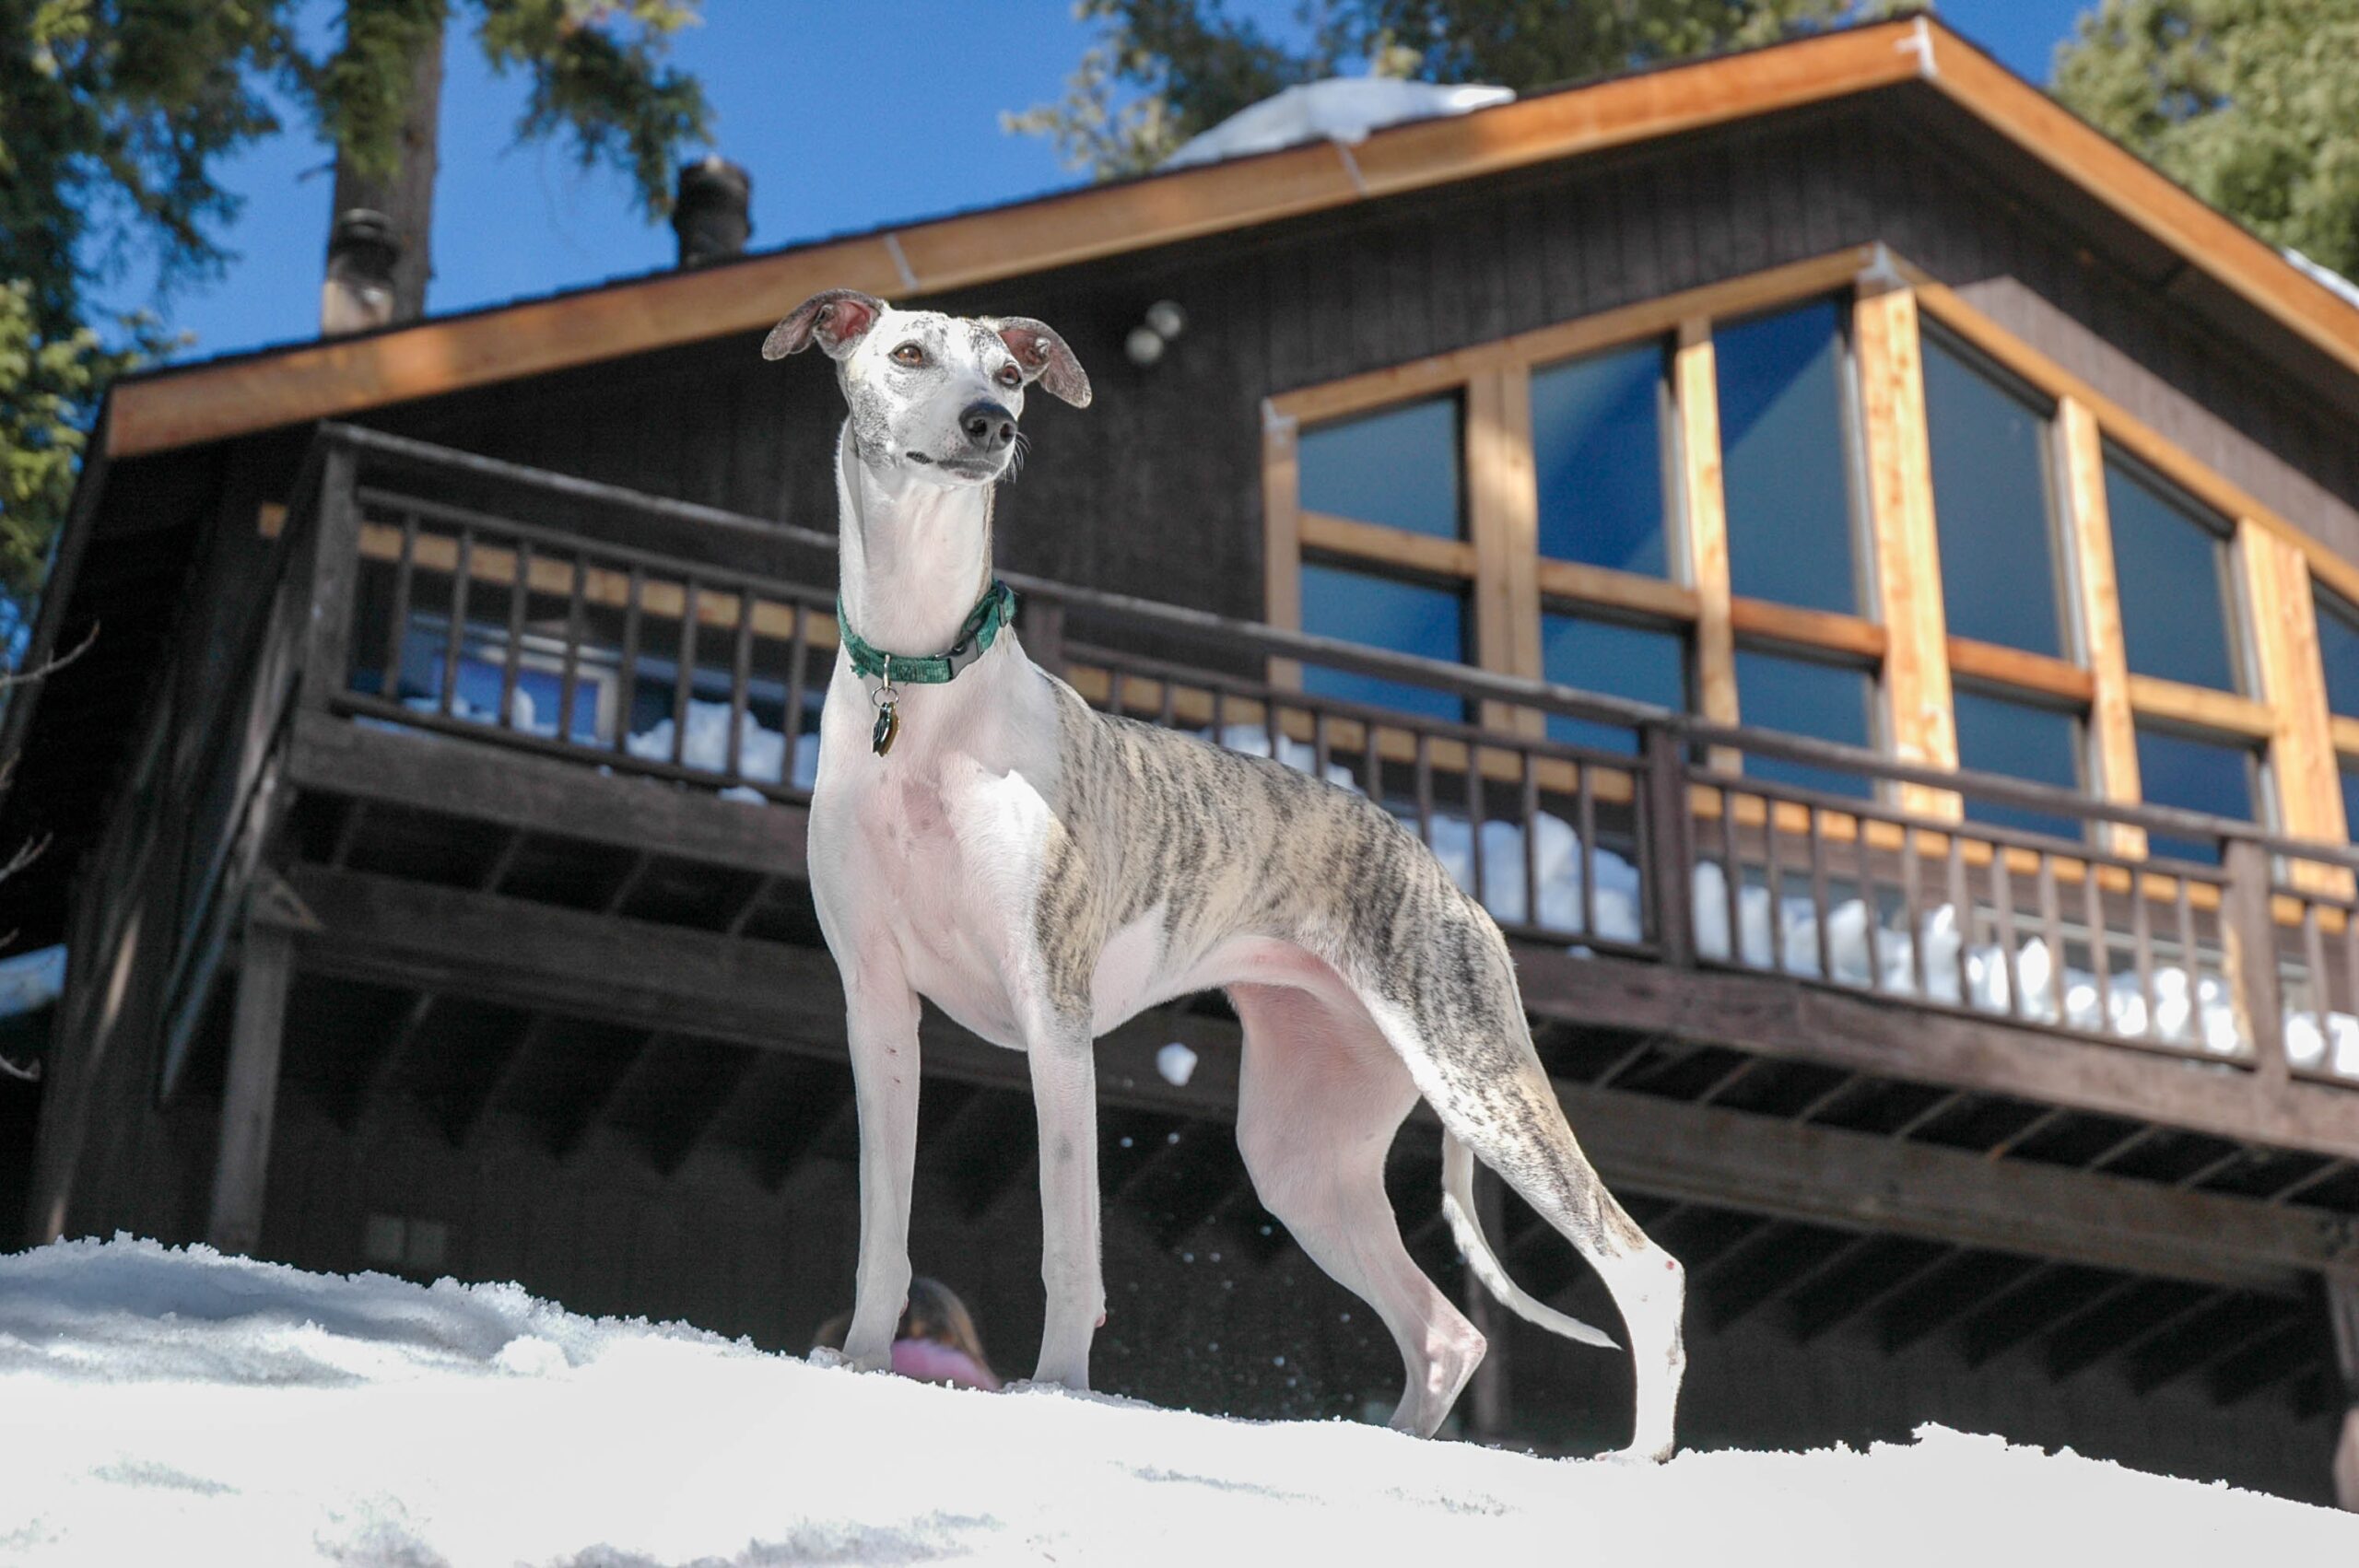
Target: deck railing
(1578,820)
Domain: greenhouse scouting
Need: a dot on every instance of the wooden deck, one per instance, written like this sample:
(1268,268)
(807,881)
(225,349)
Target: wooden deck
(560,909)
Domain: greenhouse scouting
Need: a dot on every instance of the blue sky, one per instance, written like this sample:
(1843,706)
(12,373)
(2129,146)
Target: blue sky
(848,115)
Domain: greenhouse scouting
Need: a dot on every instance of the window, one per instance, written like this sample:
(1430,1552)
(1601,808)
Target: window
(1804,697)
(2038,744)
(1598,452)
(1992,499)
(1643,664)
(2339,651)
(1388,612)
(1399,469)
(1785,458)
(2170,560)
(2216,776)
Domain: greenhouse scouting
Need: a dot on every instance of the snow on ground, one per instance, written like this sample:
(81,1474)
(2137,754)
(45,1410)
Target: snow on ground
(1340,109)
(180,1406)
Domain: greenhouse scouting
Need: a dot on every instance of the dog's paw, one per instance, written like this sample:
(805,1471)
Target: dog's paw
(827,1356)
(1640,1456)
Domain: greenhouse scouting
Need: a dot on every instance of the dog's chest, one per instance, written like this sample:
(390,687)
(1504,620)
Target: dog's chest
(944,857)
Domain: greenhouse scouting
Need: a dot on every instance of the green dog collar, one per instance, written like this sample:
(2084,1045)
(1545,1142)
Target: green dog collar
(992,612)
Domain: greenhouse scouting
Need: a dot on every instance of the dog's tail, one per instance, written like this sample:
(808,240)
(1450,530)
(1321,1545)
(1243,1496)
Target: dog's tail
(1457,1208)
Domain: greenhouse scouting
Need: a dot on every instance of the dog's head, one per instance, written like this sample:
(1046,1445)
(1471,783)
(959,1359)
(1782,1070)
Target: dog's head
(935,396)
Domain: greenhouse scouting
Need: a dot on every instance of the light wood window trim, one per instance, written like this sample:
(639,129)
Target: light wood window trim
(1703,517)
(1908,561)
(1996,664)
(2292,672)
(1503,507)
(1429,553)
(2088,527)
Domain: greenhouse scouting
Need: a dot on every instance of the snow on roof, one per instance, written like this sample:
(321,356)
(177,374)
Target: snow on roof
(2325,276)
(168,1406)
(1341,108)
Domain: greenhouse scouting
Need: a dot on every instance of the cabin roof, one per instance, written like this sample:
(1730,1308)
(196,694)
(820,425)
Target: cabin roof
(183,405)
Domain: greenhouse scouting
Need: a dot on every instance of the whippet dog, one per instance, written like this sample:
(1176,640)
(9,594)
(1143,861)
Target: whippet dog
(982,838)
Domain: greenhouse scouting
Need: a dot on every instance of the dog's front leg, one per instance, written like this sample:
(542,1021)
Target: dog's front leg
(881,1016)
(1064,1095)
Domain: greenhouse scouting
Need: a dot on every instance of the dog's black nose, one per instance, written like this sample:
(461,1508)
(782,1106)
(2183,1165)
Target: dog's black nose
(988,424)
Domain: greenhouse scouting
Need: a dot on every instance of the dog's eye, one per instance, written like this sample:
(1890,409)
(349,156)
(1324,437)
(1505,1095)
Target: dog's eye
(1010,376)
(908,354)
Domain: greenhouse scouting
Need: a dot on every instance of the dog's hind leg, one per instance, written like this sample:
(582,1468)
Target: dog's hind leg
(1320,1097)
(1452,1011)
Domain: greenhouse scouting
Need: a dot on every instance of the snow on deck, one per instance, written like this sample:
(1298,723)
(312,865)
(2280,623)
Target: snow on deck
(168,1406)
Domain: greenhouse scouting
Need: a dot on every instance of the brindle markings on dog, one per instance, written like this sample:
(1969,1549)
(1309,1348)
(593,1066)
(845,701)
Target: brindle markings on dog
(1042,871)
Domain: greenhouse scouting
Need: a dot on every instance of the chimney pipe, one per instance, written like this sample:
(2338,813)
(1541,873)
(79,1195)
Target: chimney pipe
(712,214)
(359,293)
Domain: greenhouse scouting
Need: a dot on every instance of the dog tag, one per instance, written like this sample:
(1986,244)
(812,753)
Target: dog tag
(888,723)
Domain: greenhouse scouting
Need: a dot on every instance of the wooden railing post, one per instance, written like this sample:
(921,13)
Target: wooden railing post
(1669,870)
(2343,1307)
(1044,631)
(249,1099)
(334,556)
(2249,930)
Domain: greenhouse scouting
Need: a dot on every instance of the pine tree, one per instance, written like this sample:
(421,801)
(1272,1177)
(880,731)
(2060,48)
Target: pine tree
(1163,70)
(2251,104)
(115,114)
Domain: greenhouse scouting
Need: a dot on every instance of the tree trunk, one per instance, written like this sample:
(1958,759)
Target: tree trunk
(407,197)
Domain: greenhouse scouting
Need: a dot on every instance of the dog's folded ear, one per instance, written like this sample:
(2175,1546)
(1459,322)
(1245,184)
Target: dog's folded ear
(1042,355)
(837,320)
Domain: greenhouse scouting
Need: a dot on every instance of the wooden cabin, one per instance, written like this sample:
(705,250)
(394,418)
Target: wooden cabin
(1860,574)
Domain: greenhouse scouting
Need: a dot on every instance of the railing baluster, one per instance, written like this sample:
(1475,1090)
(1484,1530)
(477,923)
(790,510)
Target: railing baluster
(1773,878)
(1168,712)
(2051,919)
(1321,748)
(2100,954)
(519,589)
(1732,868)
(1476,871)
(626,675)
(455,633)
(798,658)
(2188,958)
(397,625)
(1220,719)
(1425,785)
(741,684)
(2142,932)
(683,681)
(1871,905)
(1912,903)
(1374,760)
(570,681)
(1530,837)
(2349,984)
(1962,915)
(2314,952)
(1586,803)
(1821,907)
(2002,912)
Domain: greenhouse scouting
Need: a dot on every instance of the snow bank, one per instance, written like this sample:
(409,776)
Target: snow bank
(180,1406)
(1341,108)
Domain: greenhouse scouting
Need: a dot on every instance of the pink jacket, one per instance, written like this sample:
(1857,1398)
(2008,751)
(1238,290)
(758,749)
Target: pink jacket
(929,1362)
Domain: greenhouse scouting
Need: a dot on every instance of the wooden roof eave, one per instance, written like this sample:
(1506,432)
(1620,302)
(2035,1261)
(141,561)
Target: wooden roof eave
(329,380)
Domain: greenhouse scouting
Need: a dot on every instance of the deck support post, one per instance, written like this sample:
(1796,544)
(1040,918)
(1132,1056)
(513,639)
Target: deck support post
(1486,1396)
(2343,1306)
(1670,878)
(2251,932)
(250,1096)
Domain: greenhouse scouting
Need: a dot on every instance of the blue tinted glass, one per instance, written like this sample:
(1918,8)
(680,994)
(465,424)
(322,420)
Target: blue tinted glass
(1642,664)
(1398,468)
(2351,799)
(1783,461)
(2173,615)
(1990,504)
(1383,612)
(1597,446)
(2022,741)
(1802,697)
(2339,651)
(2201,776)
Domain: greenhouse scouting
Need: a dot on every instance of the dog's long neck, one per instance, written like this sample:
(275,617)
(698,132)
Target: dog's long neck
(915,557)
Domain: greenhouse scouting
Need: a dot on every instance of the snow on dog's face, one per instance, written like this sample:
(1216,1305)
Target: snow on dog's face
(935,396)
